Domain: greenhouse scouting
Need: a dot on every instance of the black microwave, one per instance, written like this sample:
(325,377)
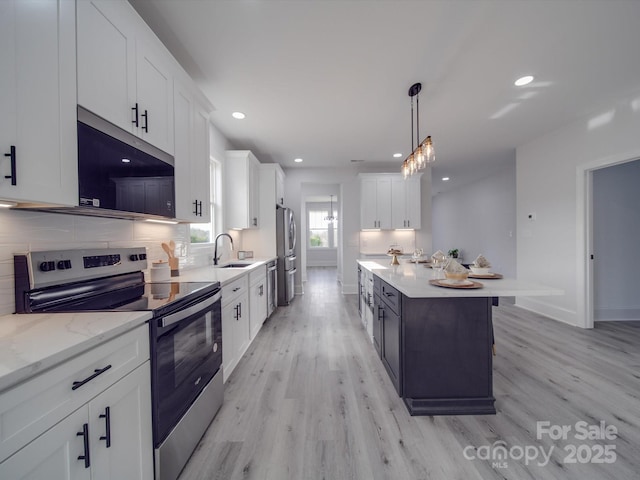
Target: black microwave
(119,173)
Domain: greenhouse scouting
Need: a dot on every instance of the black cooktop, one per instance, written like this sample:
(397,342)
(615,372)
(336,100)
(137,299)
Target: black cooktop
(125,297)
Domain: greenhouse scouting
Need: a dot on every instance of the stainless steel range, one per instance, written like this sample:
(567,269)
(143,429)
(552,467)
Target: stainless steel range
(185,333)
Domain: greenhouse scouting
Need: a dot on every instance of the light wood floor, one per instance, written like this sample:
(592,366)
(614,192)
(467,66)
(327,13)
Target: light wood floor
(311,400)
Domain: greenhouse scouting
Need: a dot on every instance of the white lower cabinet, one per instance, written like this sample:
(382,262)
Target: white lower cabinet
(235,323)
(257,299)
(107,437)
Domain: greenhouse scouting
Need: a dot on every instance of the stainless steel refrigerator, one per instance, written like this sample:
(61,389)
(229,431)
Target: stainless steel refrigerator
(286,245)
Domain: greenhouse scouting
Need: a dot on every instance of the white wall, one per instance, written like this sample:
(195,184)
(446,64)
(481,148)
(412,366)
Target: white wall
(551,182)
(480,218)
(616,235)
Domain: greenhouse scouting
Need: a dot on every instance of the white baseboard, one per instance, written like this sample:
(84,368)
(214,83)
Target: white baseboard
(616,314)
(552,311)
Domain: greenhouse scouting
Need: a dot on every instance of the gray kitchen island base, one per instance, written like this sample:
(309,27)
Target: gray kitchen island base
(436,342)
(447,356)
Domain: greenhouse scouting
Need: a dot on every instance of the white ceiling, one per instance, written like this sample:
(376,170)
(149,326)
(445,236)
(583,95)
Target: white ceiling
(327,80)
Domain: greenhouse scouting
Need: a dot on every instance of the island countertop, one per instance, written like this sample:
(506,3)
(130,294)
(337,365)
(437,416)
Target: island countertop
(412,280)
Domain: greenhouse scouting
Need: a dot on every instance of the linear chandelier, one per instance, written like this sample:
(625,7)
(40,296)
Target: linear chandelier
(423,154)
(330,217)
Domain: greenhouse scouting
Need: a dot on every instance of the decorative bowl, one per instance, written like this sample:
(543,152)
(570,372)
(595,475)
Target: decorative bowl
(480,270)
(456,277)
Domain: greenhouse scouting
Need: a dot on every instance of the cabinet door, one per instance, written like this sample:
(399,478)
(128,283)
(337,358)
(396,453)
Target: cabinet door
(120,429)
(242,332)
(412,201)
(182,123)
(38,101)
(254,194)
(229,343)
(107,61)
(391,346)
(200,170)
(279,188)
(54,454)
(154,90)
(383,202)
(399,202)
(368,203)
(257,306)
(242,195)
(405,202)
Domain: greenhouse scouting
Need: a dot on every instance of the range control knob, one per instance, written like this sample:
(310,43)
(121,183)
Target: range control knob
(64,264)
(133,258)
(143,256)
(47,266)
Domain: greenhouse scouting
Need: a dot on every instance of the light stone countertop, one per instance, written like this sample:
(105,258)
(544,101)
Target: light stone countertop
(34,342)
(413,281)
(222,275)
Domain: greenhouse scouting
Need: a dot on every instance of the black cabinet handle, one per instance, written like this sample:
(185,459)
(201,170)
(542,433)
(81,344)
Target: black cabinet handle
(135,121)
(145,127)
(85,433)
(195,207)
(240,310)
(389,294)
(12,154)
(96,372)
(237,309)
(107,426)
(200,207)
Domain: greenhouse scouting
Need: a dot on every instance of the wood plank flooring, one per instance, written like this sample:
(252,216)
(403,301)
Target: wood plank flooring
(311,400)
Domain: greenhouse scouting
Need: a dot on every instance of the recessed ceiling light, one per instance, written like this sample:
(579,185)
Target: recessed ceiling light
(238,115)
(397,155)
(297,160)
(445,179)
(126,160)
(526,80)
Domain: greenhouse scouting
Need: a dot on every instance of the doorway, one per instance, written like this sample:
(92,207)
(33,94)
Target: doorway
(615,236)
(613,214)
(320,227)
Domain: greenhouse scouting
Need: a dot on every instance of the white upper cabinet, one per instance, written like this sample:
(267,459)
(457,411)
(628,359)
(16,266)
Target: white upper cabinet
(280,187)
(124,75)
(405,202)
(191,127)
(241,189)
(375,202)
(388,201)
(38,139)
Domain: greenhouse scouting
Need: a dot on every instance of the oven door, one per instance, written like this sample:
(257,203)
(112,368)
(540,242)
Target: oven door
(186,354)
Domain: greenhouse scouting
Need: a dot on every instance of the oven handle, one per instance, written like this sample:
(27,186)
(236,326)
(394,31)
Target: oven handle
(182,314)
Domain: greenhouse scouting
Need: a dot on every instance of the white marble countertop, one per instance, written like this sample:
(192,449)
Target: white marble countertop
(34,342)
(217,274)
(413,281)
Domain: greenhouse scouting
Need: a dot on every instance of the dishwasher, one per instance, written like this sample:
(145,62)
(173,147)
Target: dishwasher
(272,287)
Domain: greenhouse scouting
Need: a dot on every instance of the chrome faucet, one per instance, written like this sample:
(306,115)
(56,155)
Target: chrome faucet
(215,249)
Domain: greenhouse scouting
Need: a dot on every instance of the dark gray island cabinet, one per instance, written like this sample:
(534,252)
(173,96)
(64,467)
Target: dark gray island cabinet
(436,350)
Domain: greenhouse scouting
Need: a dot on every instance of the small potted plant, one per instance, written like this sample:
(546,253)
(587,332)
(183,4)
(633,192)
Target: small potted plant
(453,253)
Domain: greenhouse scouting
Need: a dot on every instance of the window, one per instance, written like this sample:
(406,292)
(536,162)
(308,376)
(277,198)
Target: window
(322,233)
(204,232)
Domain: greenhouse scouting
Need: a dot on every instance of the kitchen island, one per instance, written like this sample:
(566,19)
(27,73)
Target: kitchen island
(435,342)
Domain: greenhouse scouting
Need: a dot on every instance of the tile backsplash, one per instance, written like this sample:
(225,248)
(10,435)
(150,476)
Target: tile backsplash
(378,242)
(22,231)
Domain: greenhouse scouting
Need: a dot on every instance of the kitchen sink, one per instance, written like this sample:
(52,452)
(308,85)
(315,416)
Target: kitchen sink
(236,265)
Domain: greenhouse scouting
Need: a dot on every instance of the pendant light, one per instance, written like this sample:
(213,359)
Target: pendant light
(423,154)
(330,217)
